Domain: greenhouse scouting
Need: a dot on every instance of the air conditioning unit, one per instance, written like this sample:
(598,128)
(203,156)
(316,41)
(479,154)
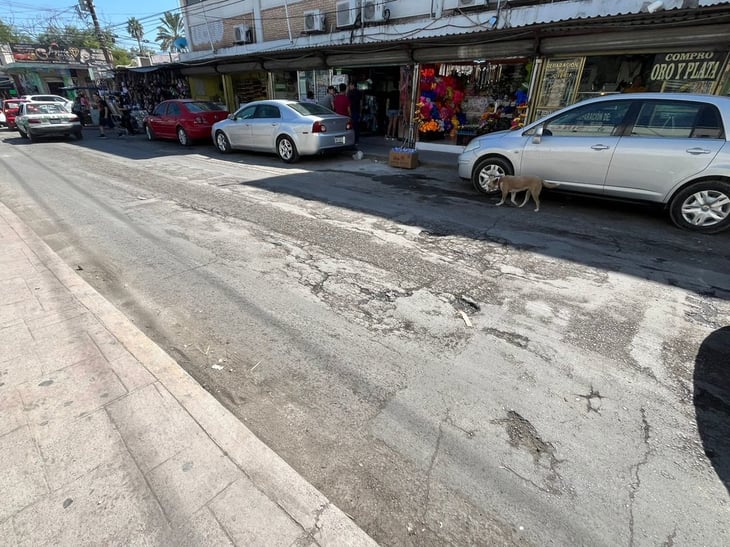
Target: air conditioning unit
(347,12)
(373,11)
(314,21)
(243,34)
(471,3)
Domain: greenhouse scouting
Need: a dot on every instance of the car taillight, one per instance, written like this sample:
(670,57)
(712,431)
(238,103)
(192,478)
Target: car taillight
(34,120)
(319,127)
(73,119)
(349,124)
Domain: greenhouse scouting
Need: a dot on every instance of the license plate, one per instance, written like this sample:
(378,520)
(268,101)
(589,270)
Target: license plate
(339,140)
(55,120)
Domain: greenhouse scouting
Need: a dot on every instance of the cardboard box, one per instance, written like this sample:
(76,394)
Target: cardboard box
(404,160)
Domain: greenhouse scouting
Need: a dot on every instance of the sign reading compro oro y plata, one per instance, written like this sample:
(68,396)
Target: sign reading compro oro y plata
(691,65)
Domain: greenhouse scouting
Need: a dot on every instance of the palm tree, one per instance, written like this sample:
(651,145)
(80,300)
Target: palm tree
(170,30)
(136,30)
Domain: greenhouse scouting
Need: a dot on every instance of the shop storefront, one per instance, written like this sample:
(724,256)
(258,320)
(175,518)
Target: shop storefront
(680,60)
(566,80)
(52,69)
(381,88)
(459,101)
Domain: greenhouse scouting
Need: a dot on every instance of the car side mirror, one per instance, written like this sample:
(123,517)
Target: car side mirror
(231,117)
(537,137)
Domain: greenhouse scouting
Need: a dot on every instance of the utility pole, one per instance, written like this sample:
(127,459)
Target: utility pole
(89,4)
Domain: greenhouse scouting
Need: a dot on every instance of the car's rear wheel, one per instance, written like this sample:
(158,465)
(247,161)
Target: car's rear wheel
(222,142)
(485,170)
(702,207)
(31,137)
(182,136)
(23,135)
(150,134)
(286,149)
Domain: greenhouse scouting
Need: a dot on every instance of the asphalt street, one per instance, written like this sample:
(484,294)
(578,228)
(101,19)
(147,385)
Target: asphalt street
(443,370)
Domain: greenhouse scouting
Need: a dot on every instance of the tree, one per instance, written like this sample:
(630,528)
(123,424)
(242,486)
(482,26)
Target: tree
(170,30)
(136,30)
(8,34)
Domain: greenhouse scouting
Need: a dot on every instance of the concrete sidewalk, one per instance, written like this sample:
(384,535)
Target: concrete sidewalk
(105,440)
(378,147)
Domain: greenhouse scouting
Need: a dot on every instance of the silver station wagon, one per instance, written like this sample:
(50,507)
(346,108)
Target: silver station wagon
(288,128)
(666,148)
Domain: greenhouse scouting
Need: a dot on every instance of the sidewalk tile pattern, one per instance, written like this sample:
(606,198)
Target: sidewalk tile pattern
(105,440)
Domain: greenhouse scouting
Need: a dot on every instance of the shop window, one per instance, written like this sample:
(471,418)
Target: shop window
(592,120)
(674,119)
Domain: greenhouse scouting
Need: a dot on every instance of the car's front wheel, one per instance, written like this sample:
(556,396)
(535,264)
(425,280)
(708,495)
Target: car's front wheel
(485,170)
(222,142)
(702,207)
(182,137)
(287,149)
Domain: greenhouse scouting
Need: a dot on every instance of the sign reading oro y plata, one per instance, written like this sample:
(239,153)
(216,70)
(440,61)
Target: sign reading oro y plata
(690,65)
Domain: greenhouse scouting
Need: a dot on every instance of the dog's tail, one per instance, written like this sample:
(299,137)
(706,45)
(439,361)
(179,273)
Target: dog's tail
(547,184)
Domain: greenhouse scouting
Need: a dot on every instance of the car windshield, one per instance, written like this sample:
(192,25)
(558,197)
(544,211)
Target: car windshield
(203,106)
(307,109)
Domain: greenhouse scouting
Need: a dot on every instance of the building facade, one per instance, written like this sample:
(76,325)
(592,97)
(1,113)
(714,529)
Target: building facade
(456,67)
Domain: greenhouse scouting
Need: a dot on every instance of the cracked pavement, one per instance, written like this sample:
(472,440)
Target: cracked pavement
(322,304)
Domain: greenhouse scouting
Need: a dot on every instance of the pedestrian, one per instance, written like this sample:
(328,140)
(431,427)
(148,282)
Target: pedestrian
(340,102)
(355,98)
(78,110)
(328,100)
(105,115)
(392,110)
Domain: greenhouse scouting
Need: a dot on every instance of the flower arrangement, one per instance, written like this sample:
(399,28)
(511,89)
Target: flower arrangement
(439,107)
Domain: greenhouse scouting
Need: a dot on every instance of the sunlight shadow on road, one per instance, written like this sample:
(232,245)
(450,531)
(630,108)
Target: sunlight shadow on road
(712,400)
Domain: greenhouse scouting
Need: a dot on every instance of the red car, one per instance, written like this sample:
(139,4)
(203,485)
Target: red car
(186,120)
(10,109)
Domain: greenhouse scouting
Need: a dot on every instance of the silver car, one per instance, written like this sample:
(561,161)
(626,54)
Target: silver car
(67,103)
(35,120)
(667,148)
(287,128)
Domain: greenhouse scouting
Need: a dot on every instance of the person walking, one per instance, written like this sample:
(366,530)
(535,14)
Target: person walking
(355,98)
(392,110)
(341,103)
(328,100)
(105,115)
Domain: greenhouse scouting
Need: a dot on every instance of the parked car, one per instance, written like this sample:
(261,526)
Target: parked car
(670,149)
(67,103)
(10,109)
(287,128)
(46,119)
(186,120)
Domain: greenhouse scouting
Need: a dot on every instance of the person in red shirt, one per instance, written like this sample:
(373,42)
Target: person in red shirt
(341,102)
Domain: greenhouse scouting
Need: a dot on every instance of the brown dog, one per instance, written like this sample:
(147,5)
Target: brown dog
(510,184)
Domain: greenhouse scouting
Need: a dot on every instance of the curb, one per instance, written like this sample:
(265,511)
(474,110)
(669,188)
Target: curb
(326,524)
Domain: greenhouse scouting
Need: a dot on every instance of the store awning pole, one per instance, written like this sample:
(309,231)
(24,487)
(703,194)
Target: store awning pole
(410,140)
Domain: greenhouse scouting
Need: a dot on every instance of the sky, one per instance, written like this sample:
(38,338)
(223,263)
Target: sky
(32,15)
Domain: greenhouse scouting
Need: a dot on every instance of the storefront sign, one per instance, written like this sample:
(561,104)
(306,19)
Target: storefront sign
(52,53)
(692,66)
(559,83)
